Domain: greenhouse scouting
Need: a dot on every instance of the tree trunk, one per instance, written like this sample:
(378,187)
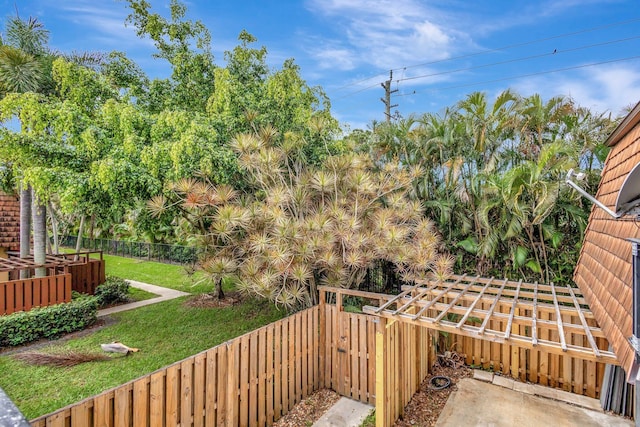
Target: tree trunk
(219,289)
(25,226)
(39,236)
(80,232)
(54,228)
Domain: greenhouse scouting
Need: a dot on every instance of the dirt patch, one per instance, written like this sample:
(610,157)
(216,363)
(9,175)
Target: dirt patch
(309,410)
(425,406)
(211,301)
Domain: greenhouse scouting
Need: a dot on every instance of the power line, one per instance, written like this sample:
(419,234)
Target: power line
(557,70)
(523,43)
(555,52)
(482,52)
(525,58)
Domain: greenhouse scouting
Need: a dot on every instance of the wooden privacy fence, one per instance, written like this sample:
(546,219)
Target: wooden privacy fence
(251,380)
(255,379)
(88,276)
(568,373)
(23,295)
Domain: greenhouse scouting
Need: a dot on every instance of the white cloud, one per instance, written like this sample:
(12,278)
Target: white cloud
(602,89)
(332,58)
(388,34)
(104,23)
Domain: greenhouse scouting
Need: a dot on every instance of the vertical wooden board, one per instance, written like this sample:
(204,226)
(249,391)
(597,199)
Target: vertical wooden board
(285,367)
(371,360)
(157,398)
(217,367)
(262,376)
(243,410)
(103,410)
(10,298)
(337,380)
(233,378)
(81,415)
(304,349)
(278,370)
(3,298)
(322,314)
(122,406)
(53,294)
(590,379)
(215,406)
(28,296)
(381,371)
(362,359)
(253,378)
(329,348)
(55,420)
(299,355)
(172,407)
(543,358)
(312,355)
(186,392)
(141,404)
(19,295)
(353,355)
(270,373)
(37,295)
(199,386)
(291,363)
(515,354)
(60,291)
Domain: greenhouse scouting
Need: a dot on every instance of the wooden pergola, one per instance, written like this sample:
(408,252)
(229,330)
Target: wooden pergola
(27,263)
(551,318)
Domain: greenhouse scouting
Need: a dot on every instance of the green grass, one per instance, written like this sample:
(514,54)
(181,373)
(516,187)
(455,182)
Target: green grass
(155,273)
(136,294)
(164,332)
(370,421)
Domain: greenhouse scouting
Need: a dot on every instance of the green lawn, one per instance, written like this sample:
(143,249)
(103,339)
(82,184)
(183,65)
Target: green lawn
(155,273)
(165,332)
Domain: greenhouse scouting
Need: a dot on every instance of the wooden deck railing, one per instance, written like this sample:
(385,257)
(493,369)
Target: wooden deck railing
(23,295)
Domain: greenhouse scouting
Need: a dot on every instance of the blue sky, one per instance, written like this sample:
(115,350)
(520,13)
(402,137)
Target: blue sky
(440,50)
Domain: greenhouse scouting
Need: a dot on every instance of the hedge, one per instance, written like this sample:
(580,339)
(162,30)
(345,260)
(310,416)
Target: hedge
(47,322)
(113,291)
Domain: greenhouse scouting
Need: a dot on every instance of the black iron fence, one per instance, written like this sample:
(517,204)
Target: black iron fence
(381,277)
(170,254)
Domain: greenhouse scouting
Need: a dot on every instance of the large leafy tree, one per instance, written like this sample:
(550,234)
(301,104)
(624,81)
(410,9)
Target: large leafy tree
(492,181)
(299,225)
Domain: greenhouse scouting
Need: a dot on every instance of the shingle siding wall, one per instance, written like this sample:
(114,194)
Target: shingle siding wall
(604,272)
(9,222)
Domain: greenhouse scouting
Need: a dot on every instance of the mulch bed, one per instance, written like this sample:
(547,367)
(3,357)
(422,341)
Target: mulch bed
(211,301)
(423,410)
(309,410)
(425,406)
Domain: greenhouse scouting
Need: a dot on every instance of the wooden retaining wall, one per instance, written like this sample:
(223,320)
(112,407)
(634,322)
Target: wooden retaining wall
(23,295)
(251,380)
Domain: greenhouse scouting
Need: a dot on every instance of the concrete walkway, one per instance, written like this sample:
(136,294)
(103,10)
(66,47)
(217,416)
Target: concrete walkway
(512,403)
(345,413)
(164,294)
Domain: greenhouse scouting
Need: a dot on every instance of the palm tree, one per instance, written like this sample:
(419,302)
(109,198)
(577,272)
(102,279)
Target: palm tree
(24,68)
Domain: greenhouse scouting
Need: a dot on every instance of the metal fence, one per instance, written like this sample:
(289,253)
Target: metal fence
(381,277)
(170,254)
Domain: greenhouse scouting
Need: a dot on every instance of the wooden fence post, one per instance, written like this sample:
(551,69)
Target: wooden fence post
(381,373)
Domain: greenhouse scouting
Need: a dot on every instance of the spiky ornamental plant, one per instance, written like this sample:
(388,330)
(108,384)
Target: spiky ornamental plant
(302,226)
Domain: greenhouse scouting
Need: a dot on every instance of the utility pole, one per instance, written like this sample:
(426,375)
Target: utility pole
(387,96)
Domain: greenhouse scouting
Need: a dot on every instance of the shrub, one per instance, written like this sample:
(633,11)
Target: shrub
(47,322)
(113,291)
